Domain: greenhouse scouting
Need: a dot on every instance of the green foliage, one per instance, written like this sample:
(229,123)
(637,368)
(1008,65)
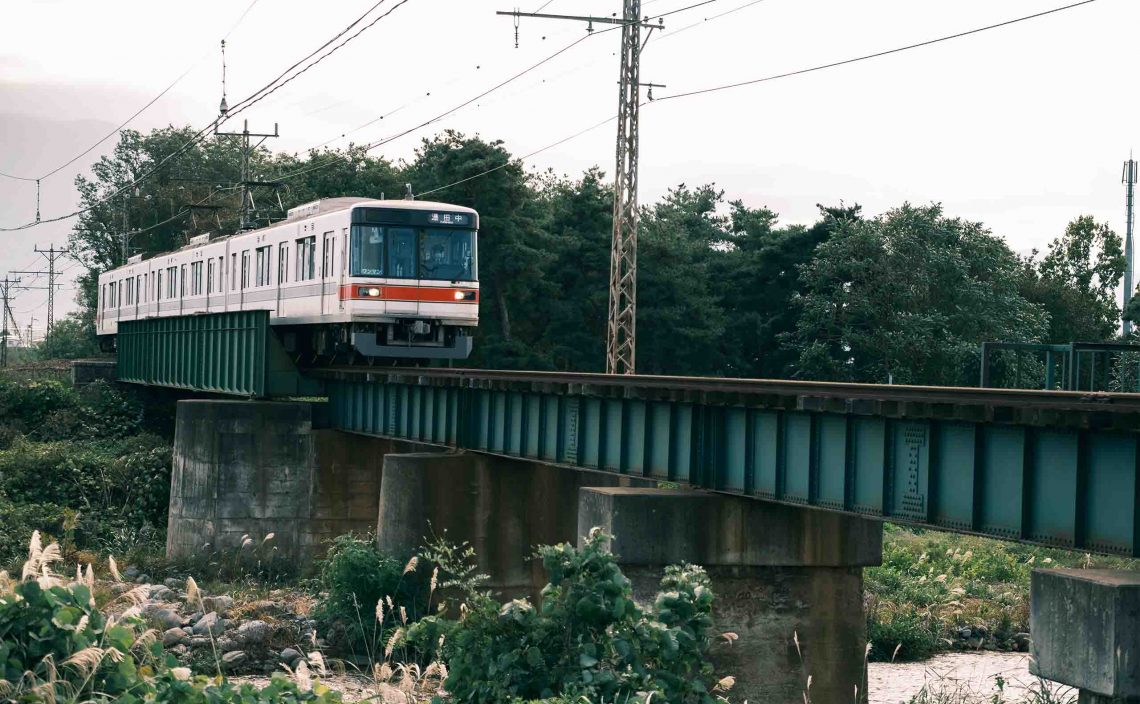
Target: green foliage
(72,337)
(17,521)
(589,638)
(355,577)
(56,646)
(930,584)
(908,297)
(41,628)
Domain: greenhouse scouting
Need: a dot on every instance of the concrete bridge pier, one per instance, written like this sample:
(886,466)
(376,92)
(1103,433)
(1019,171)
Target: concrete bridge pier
(788,581)
(251,468)
(503,507)
(1085,626)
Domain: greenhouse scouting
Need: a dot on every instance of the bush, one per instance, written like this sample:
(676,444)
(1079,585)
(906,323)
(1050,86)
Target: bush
(589,639)
(56,646)
(355,576)
(17,521)
(902,635)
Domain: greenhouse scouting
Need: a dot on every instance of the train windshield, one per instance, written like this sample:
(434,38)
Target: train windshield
(442,254)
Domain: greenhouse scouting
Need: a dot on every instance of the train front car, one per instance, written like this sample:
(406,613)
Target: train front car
(413,282)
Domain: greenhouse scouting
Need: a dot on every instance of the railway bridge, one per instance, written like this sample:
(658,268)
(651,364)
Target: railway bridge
(778,488)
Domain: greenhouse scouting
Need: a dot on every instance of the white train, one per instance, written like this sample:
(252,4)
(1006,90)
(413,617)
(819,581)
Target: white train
(386,278)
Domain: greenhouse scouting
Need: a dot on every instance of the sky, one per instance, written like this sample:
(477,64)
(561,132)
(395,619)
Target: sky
(1023,127)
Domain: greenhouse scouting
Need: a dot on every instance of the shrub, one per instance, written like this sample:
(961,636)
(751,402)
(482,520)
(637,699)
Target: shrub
(589,638)
(355,577)
(19,520)
(904,634)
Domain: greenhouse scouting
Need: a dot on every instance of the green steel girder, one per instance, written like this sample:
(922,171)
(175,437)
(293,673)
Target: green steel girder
(232,353)
(1054,469)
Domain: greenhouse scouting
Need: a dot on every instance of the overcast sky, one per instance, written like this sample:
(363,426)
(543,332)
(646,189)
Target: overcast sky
(1023,127)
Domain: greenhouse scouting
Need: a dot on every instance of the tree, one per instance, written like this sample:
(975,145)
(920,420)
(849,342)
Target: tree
(579,220)
(72,337)
(680,322)
(1076,282)
(757,279)
(907,297)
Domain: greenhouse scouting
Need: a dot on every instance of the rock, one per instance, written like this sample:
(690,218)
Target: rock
(180,650)
(161,593)
(143,579)
(965,633)
(172,583)
(228,645)
(200,642)
(173,636)
(210,624)
(221,604)
(164,617)
(131,573)
(290,656)
(265,607)
(233,659)
(254,632)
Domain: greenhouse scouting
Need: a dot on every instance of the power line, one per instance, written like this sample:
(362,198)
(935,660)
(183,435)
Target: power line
(133,116)
(248,102)
(875,55)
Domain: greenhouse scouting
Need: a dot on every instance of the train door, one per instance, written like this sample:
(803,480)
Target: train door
(343,269)
(327,244)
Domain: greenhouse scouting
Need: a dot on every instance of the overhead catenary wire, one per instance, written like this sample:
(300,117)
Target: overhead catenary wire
(134,115)
(878,54)
(373,145)
(242,105)
(770,78)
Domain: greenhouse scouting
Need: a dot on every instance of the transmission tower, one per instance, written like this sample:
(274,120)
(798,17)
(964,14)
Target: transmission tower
(247,184)
(6,286)
(51,254)
(1129,180)
(621,327)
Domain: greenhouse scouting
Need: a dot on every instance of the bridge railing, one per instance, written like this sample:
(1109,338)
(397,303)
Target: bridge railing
(1076,366)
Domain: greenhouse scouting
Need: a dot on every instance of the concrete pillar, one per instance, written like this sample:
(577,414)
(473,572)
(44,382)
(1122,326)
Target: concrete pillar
(254,468)
(503,507)
(788,581)
(1086,632)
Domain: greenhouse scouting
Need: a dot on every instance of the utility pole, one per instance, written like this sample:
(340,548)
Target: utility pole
(247,183)
(31,322)
(51,254)
(1129,180)
(6,285)
(621,326)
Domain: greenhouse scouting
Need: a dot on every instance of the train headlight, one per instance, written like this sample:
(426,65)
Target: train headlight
(373,292)
(459,295)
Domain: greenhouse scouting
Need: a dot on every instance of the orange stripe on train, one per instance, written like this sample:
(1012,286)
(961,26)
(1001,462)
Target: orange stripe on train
(422,294)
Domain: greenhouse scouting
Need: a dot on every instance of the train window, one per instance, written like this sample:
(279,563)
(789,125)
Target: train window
(401,252)
(326,255)
(306,258)
(221,273)
(210,276)
(158,285)
(233,271)
(447,255)
(263,257)
(282,263)
(245,269)
(367,251)
(171,282)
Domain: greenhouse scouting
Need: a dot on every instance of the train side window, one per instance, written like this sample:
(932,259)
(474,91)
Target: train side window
(182,282)
(282,263)
(327,254)
(172,282)
(209,276)
(306,258)
(158,285)
(245,269)
(263,257)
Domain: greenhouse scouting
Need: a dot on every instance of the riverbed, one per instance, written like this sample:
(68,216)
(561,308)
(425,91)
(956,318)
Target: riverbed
(968,677)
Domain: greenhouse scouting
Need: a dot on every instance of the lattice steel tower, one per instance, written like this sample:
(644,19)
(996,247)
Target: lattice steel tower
(621,326)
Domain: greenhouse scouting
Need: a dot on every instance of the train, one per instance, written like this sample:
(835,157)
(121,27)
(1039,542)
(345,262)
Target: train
(339,277)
